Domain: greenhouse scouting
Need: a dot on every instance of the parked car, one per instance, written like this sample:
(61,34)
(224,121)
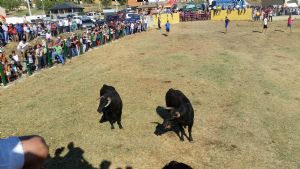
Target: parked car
(87,23)
(100,22)
(93,15)
(110,18)
(132,15)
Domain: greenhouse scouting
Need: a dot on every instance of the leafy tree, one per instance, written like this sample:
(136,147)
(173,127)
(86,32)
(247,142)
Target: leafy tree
(106,3)
(122,2)
(10,4)
(48,4)
(88,1)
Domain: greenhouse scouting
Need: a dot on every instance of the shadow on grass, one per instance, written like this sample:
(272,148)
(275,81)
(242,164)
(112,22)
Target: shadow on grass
(160,129)
(164,34)
(256,31)
(73,160)
(278,30)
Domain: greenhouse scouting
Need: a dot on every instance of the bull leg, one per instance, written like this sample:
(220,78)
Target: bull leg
(119,123)
(181,133)
(112,124)
(190,133)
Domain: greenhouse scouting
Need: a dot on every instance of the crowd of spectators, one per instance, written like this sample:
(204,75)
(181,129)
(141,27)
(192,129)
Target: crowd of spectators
(53,49)
(259,13)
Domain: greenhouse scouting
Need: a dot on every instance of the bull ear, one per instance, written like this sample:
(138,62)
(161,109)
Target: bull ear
(177,114)
(108,102)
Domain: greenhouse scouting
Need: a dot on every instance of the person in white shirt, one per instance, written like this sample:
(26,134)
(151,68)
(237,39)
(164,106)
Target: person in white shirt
(22,46)
(265,25)
(48,36)
(66,25)
(145,23)
(5,32)
(60,26)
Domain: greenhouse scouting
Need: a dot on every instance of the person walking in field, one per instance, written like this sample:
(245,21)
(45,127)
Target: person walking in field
(158,23)
(168,26)
(226,24)
(289,24)
(265,25)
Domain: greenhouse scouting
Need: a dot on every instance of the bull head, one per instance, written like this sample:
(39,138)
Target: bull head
(104,102)
(174,114)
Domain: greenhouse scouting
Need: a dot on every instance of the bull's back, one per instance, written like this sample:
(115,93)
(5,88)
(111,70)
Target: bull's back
(175,98)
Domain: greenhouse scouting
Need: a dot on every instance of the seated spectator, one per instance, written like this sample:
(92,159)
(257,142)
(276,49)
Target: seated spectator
(27,152)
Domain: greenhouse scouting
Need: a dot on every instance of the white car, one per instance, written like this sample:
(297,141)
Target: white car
(93,15)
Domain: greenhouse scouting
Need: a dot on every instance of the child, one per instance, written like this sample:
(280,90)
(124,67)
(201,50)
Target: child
(226,23)
(289,24)
(265,25)
(168,26)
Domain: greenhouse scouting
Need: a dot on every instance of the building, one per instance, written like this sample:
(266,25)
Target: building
(65,9)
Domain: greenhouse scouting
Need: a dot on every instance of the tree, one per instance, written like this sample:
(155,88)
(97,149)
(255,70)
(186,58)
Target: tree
(123,2)
(10,4)
(106,3)
(47,4)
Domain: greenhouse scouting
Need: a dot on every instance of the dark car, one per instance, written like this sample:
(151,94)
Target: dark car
(111,18)
(100,22)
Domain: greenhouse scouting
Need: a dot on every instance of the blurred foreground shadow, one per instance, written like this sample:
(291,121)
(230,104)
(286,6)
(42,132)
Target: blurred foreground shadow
(177,165)
(72,160)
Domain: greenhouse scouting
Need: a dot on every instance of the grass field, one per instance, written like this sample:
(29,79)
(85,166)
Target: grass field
(244,86)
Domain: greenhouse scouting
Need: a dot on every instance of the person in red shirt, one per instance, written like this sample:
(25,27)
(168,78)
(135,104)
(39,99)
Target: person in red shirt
(290,22)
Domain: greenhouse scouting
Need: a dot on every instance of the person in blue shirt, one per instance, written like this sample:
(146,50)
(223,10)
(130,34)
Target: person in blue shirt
(226,23)
(168,26)
(20,31)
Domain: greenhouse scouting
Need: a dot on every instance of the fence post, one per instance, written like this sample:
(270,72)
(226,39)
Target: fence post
(2,75)
(49,56)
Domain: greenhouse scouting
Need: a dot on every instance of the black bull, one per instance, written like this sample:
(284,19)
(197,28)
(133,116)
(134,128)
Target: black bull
(110,105)
(181,111)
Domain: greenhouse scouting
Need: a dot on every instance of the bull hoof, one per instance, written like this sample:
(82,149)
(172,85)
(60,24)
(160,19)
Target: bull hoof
(112,127)
(120,127)
(182,139)
(191,141)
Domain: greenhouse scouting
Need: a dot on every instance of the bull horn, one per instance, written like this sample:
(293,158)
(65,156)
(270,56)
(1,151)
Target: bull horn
(177,114)
(100,98)
(108,103)
(169,108)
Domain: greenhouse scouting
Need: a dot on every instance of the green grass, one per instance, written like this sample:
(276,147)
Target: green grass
(244,87)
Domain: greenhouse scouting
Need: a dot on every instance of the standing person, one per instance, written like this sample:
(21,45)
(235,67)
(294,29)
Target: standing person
(270,15)
(226,24)
(289,24)
(168,26)
(158,23)
(5,32)
(265,25)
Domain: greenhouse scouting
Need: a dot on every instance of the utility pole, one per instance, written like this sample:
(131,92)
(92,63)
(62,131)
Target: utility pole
(28,7)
